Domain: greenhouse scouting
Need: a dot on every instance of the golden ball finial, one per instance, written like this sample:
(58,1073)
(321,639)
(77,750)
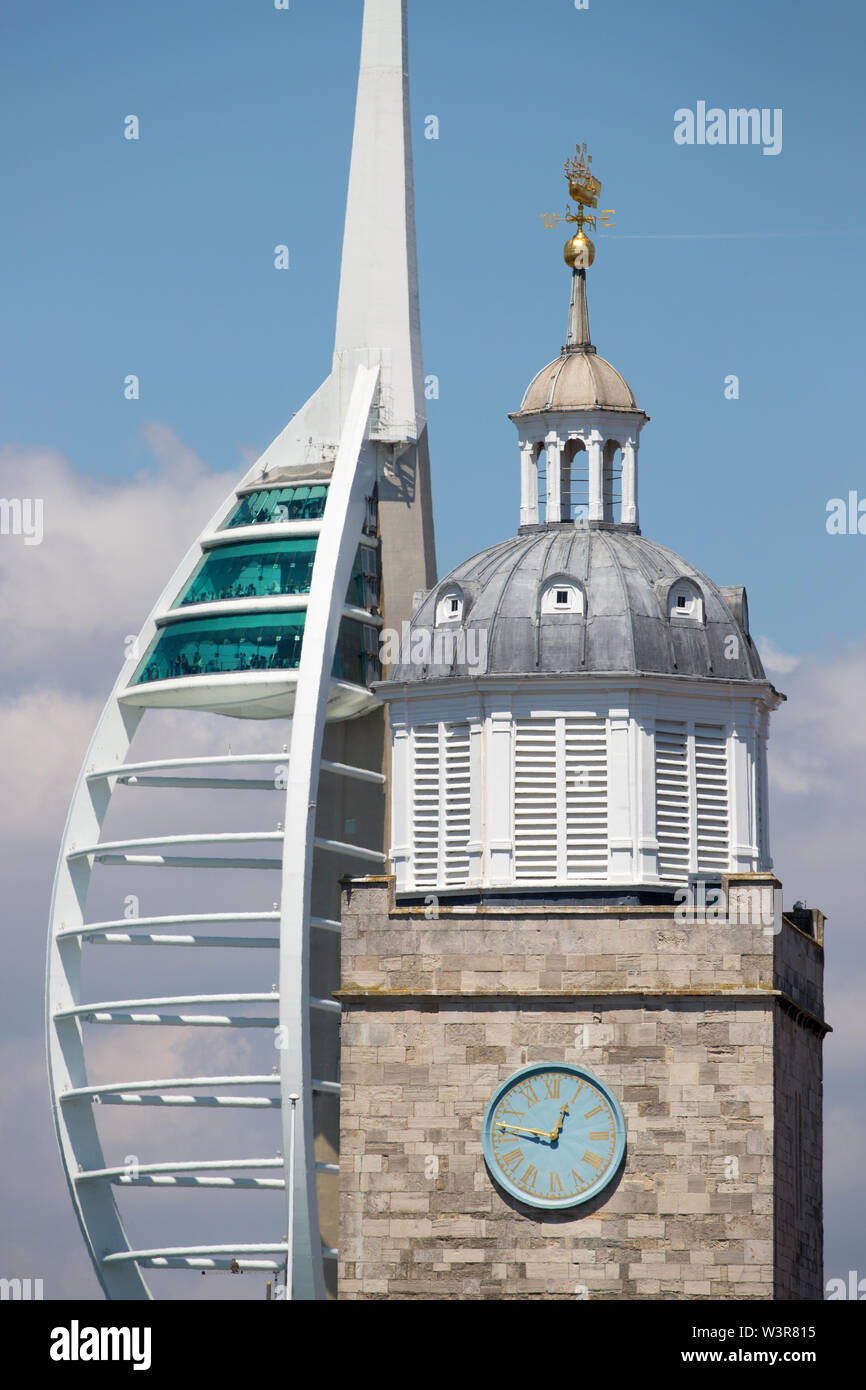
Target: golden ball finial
(579,251)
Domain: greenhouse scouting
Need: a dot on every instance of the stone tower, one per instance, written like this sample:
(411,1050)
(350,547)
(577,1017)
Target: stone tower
(582,918)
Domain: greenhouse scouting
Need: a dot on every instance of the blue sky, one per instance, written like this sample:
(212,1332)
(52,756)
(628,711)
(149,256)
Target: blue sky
(155,257)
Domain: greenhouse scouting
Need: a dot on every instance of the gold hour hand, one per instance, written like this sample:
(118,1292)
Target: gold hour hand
(558,1126)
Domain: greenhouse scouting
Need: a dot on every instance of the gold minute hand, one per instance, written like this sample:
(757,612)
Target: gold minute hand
(541,1133)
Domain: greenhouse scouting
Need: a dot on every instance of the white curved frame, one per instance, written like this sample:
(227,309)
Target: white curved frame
(118,1267)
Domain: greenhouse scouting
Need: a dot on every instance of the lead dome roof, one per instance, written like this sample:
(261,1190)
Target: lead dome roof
(625,628)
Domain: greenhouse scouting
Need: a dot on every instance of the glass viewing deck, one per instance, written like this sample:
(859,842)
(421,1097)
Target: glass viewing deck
(258,569)
(273,504)
(253,642)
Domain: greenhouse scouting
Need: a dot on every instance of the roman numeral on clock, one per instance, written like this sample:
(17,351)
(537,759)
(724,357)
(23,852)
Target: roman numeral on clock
(511,1160)
(527,1182)
(594,1160)
(555,1185)
(600,1134)
(551,1085)
(597,1111)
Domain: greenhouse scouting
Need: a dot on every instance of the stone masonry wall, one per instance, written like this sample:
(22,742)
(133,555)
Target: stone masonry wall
(681,1022)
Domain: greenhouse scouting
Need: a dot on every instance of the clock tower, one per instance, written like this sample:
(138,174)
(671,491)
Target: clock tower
(581,1040)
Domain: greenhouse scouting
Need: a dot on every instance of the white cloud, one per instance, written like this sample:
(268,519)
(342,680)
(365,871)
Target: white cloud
(108,549)
(776,662)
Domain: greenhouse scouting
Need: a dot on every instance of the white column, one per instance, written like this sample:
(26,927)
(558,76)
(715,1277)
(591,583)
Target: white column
(745,855)
(762,810)
(554,457)
(401,806)
(620,788)
(498,799)
(629,481)
(475,847)
(595,449)
(647,844)
(528,486)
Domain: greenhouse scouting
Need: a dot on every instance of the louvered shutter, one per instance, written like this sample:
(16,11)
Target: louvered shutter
(585,798)
(441,804)
(456,797)
(711,798)
(673,822)
(535,801)
(426,805)
(560,799)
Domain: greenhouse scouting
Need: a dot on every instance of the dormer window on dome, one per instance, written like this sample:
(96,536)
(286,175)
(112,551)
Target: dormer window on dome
(685,600)
(562,595)
(450,605)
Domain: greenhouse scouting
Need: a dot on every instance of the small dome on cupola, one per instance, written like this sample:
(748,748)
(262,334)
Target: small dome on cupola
(577,710)
(578,378)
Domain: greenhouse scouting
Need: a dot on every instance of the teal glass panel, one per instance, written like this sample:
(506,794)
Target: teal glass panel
(265,642)
(306,503)
(208,646)
(252,570)
(258,569)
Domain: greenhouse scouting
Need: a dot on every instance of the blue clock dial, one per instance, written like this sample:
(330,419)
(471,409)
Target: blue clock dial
(553,1135)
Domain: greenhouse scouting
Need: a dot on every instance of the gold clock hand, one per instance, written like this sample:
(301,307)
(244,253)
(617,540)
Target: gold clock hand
(558,1127)
(541,1133)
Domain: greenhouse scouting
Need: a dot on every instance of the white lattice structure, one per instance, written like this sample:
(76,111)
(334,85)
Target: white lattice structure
(273,614)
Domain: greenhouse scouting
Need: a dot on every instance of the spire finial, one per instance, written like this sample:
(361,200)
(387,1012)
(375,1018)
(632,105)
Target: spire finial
(578,339)
(584,188)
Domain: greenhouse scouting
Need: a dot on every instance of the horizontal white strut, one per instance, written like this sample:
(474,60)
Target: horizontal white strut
(246,1184)
(235,837)
(375,856)
(118,851)
(184,1020)
(209,1165)
(90,1012)
(185,861)
(166,1001)
(359,774)
(169,1085)
(200,1102)
(186,1251)
(195,919)
(181,1083)
(242,1266)
(184,1171)
(131,775)
(94,932)
(258,943)
(232,784)
(164,764)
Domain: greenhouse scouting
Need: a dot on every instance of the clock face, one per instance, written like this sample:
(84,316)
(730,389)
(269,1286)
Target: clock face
(553,1135)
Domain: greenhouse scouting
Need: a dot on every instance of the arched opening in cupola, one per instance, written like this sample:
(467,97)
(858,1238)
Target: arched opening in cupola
(541,470)
(574,481)
(612,481)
